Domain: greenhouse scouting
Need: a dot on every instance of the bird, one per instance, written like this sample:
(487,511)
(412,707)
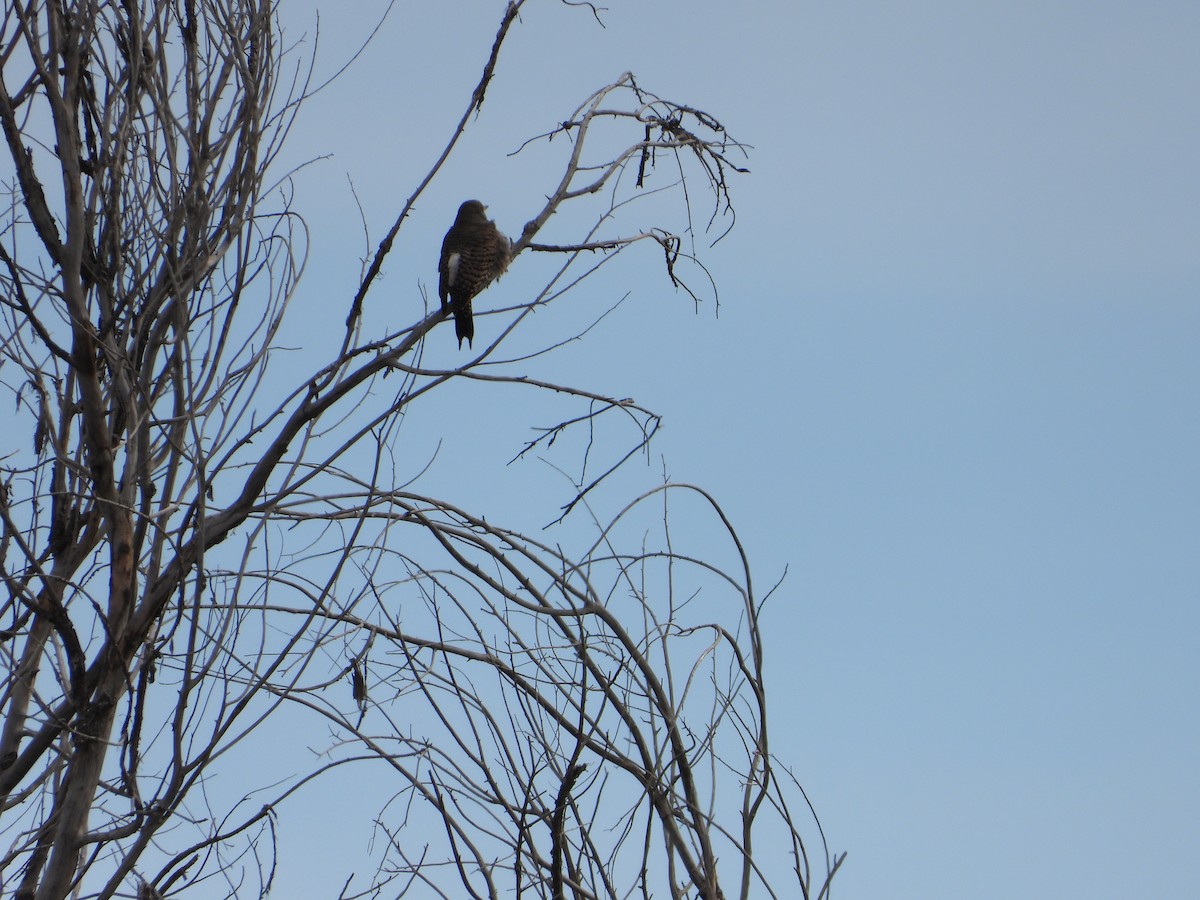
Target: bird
(474,254)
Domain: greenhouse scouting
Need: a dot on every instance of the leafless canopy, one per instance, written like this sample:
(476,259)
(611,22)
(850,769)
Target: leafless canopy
(208,561)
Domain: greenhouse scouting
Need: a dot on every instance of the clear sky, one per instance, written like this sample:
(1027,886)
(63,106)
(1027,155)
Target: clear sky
(953,385)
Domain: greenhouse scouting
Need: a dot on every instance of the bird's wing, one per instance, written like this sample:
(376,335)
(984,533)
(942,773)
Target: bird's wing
(447,269)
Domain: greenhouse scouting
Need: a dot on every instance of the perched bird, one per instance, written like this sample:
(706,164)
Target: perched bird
(474,254)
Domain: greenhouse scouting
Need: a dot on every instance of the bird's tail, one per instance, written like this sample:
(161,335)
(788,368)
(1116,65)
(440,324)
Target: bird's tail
(464,324)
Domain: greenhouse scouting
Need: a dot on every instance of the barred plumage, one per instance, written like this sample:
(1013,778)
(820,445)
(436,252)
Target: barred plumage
(474,254)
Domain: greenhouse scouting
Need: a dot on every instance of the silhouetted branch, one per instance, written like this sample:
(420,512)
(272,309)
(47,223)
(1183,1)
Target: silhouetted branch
(198,542)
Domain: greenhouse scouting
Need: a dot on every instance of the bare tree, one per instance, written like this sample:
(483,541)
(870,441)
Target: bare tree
(200,563)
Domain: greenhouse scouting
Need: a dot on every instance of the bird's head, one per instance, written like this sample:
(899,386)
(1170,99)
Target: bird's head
(472,211)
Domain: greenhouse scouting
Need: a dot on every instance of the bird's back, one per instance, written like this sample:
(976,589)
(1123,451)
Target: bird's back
(472,257)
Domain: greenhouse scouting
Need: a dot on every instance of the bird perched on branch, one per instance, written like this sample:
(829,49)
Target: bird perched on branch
(474,254)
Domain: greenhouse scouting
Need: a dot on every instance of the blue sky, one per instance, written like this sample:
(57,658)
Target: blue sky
(952,386)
